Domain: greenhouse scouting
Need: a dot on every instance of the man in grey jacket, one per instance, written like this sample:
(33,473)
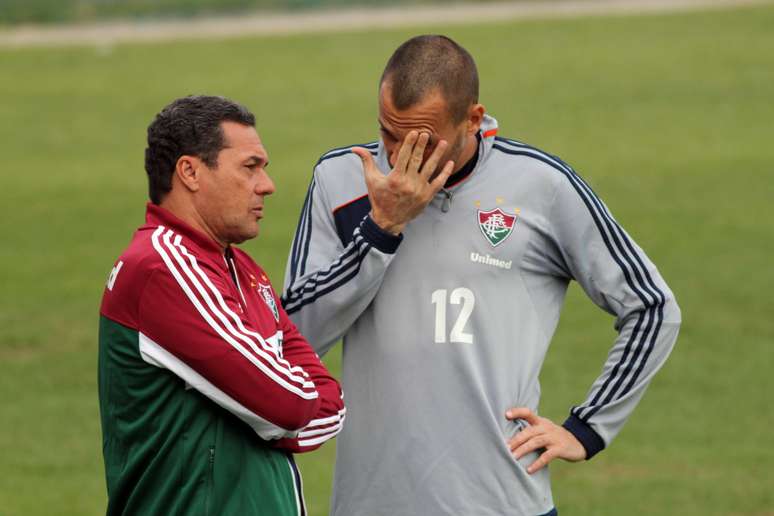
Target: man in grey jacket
(442,254)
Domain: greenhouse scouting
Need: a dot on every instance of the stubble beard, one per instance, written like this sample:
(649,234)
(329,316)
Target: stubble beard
(239,231)
(452,154)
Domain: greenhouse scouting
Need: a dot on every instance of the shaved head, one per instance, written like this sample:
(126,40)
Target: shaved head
(430,63)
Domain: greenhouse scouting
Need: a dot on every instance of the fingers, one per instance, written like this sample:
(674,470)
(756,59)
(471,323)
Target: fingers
(441,178)
(417,154)
(405,152)
(545,436)
(369,165)
(522,437)
(534,443)
(542,461)
(533,439)
(432,161)
(365,157)
(522,413)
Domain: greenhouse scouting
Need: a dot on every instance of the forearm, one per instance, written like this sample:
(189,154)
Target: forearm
(325,425)
(325,302)
(202,339)
(329,418)
(640,350)
(270,411)
(620,278)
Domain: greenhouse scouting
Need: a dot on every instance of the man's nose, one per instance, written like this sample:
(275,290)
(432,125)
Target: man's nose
(265,185)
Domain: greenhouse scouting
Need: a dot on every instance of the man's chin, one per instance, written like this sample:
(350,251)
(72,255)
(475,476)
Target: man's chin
(244,236)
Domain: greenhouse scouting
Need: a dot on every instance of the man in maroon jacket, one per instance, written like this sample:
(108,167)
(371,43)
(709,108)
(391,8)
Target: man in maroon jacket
(205,384)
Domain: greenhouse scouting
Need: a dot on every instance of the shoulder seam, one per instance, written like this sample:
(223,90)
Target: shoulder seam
(347,149)
(515,146)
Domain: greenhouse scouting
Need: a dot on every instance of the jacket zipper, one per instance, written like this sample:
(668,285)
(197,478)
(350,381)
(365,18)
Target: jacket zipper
(210,480)
(228,258)
(447,200)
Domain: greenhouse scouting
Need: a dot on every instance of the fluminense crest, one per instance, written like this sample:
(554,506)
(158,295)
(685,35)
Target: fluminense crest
(495,225)
(268,298)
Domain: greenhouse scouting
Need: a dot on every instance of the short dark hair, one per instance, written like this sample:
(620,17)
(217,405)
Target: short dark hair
(188,126)
(425,63)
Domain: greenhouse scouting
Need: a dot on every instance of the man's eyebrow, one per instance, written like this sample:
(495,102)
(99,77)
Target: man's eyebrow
(255,160)
(383,128)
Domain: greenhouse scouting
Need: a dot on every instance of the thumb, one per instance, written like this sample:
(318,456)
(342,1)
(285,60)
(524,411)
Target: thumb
(369,166)
(522,413)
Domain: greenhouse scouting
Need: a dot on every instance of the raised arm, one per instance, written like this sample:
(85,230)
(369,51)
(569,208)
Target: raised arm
(329,283)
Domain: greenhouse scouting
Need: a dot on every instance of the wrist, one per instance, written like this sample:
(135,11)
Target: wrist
(592,442)
(387,225)
(379,238)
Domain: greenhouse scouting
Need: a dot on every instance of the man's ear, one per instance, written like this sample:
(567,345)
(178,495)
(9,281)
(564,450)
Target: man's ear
(188,171)
(475,118)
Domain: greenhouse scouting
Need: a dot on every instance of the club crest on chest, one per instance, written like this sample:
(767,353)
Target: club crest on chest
(496,225)
(264,290)
(268,298)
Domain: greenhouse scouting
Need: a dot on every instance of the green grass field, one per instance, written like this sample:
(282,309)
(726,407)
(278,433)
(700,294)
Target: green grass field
(14,12)
(670,118)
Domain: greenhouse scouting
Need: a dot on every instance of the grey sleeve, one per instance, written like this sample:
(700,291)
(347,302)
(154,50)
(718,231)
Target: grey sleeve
(329,284)
(617,275)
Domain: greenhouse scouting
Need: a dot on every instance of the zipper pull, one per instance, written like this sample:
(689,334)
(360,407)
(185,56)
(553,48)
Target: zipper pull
(447,199)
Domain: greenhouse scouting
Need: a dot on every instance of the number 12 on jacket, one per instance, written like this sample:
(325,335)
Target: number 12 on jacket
(440,298)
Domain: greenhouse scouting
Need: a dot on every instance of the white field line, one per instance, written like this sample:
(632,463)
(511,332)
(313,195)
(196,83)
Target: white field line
(354,19)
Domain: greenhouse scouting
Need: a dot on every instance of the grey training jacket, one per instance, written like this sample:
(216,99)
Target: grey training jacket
(447,326)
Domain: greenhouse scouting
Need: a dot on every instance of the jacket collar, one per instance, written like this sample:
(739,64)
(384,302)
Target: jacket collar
(157,216)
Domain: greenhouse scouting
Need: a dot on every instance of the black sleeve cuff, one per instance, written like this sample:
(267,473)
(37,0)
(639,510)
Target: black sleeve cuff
(382,240)
(587,436)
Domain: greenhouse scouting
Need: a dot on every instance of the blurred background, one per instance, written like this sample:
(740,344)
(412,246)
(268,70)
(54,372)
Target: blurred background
(58,11)
(667,114)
